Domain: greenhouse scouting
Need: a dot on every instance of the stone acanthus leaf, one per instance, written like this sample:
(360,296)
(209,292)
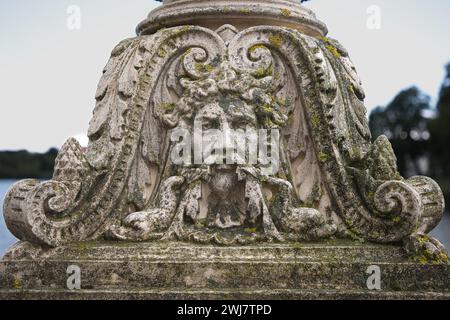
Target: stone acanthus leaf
(332,177)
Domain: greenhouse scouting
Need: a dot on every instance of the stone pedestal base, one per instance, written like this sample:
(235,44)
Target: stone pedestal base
(336,270)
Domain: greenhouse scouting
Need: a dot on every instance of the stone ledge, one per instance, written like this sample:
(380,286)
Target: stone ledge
(230,294)
(240,13)
(188,271)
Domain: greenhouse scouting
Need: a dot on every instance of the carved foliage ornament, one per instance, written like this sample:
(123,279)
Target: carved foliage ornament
(332,181)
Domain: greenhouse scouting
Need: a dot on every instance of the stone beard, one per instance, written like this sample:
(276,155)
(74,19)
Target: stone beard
(230,193)
(270,70)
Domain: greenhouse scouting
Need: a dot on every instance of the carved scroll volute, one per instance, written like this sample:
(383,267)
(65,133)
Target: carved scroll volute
(92,189)
(304,75)
(332,101)
(32,207)
(265,51)
(84,198)
(396,207)
(195,62)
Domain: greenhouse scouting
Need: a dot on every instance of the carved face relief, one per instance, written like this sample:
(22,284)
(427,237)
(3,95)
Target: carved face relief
(229,96)
(251,133)
(220,131)
(227,126)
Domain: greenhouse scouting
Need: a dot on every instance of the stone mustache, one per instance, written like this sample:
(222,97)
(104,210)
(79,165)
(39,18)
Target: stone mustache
(332,182)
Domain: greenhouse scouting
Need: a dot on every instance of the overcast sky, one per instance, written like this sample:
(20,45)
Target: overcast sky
(49,74)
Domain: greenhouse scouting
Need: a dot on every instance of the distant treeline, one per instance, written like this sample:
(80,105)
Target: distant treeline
(419,132)
(23,164)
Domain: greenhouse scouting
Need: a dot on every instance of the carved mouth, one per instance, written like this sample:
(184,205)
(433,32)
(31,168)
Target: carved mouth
(224,168)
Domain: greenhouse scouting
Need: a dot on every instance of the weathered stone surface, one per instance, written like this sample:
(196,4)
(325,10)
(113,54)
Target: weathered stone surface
(240,13)
(189,271)
(259,78)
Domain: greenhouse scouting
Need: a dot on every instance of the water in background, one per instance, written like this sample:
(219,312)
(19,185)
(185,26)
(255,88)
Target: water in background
(6,238)
(442,232)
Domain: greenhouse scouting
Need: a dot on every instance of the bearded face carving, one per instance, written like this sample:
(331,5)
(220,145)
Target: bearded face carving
(228,137)
(226,145)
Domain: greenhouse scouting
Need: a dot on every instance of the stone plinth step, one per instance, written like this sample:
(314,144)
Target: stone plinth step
(186,271)
(223,294)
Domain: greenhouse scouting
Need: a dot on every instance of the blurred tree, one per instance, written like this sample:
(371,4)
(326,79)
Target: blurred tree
(404,121)
(440,131)
(23,164)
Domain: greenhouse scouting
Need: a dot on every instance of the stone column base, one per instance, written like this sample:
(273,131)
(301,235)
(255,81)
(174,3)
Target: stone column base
(336,270)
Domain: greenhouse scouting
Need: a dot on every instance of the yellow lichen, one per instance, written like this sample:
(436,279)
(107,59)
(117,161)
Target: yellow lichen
(397,219)
(259,73)
(167,106)
(351,89)
(322,157)
(286,12)
(331,47)
(182,30)
(315,120)
(202,68)
(276,40)
(162,53)
(256,46)
(422,260)
(201,224)
(83,246)
(209,67)
(18,283)
(188,51)
(334,51)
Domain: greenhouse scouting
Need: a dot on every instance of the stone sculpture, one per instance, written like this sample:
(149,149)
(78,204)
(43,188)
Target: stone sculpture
(264,64)
(333,179)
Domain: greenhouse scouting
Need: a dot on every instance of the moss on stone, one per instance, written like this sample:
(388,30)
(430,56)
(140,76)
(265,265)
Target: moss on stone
(315,120)
(276,40)
(426,256)
(203,68)
(188,51)
(322,157)
(260,73)
(331,47)
(182,30)
(168,106)
(162,53)
(256,46)
(315,196)
(83,246)
(200,224)
(285,12)
(18,283)
(351,88)
(397,219)
(334,51)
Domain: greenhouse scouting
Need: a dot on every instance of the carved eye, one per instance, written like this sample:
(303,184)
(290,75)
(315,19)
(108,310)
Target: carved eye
(209,124)
(240,124)
(244,121)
